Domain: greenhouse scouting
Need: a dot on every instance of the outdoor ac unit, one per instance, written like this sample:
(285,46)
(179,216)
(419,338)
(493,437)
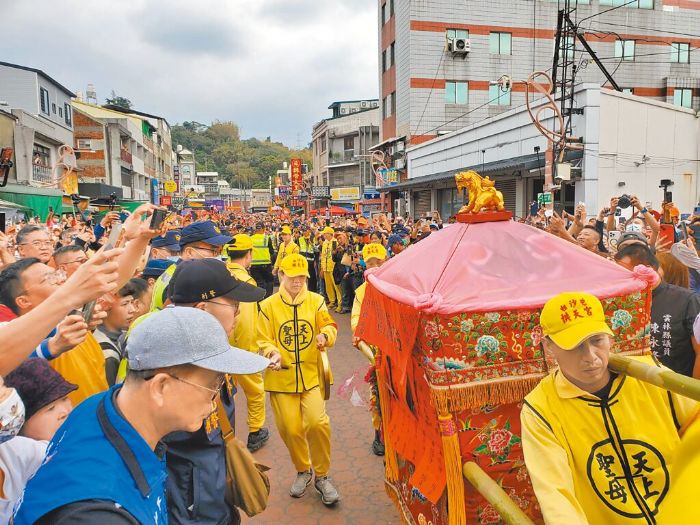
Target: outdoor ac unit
(343,111)
(400,147)
(400,164)
(363,104)
(390,151)
(459,46)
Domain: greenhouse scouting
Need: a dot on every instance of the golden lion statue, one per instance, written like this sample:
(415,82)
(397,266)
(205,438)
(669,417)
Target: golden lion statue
(483,195)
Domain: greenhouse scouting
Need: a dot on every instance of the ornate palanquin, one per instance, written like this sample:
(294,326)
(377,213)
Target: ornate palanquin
(452,374)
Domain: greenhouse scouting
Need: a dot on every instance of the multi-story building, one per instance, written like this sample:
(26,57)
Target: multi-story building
(112,153)
(439,59)
(42,122)
(341,153)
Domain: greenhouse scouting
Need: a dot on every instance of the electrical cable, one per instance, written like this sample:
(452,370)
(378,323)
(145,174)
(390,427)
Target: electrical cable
(432,86)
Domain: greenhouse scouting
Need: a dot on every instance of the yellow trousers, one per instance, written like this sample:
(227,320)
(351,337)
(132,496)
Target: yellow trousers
(332,290)
(305,428)
(252,385)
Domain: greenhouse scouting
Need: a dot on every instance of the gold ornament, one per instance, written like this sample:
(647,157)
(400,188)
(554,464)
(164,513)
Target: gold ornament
(483,195)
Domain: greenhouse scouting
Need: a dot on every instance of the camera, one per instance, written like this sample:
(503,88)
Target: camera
(624,201)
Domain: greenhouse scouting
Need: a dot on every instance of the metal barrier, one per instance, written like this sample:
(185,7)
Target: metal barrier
(495,495)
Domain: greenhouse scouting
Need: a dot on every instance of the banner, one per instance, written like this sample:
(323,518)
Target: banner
(345,193)
(295,175)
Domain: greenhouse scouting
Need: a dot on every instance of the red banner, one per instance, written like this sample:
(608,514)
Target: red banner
(295,175)
(166,200)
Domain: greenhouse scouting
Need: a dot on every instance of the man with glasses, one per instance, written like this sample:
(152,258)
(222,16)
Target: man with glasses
(69,258)
(204,284)
(199,240)
(110,445)
(34,241)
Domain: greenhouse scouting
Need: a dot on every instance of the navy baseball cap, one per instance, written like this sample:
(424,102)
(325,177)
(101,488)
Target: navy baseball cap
(394,239)
(169,241)
(203,231)
(155,267)
(204,279)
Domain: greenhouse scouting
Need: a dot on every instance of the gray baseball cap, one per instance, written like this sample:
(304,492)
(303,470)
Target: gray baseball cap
(179,335)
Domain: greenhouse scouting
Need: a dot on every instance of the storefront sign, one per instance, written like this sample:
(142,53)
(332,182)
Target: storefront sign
(154,191)
(170,186)
(321,192)
(544,198)
(348,193)
(295,174)
(166,200)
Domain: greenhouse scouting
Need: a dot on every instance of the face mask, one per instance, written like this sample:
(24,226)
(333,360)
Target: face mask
(174,258)
(11,416)
(634,227)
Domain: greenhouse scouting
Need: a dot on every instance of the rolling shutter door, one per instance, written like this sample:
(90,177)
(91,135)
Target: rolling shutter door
(508,188)
(421,203)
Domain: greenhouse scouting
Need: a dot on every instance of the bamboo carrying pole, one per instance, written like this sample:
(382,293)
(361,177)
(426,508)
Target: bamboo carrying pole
(495,495)
(661,377)
(366,351)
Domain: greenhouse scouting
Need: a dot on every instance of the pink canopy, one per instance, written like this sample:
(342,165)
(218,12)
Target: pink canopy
(497,266)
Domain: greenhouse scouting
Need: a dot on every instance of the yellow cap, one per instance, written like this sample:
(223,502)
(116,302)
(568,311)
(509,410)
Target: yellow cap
(294,265)
(328,229)
(286,229)
(374,251)
(240,242)
(570,318)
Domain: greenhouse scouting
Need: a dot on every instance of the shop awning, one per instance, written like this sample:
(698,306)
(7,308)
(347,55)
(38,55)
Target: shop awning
(38,201)
(524,162)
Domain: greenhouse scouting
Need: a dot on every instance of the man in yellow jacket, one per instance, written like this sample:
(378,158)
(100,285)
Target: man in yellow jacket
(286,247)
(598,446)
(335,299)
(374,255)
(244,335)
(293,327)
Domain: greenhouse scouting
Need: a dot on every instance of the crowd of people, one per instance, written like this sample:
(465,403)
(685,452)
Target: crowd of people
(123,343)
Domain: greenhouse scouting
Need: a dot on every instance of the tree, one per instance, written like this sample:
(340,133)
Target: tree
(116,100)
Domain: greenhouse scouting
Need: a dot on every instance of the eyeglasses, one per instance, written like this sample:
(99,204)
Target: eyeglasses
(212,251)
(213,392)
(236,307)
(80,261)
(38,244)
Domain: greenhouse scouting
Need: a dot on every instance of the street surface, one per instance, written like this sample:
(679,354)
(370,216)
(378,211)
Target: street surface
(356,472)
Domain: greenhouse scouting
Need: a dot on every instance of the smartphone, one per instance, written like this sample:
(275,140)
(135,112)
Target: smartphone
(684,231)
(695,228)
(618,212)
(667,234)
(614,238)
(157,219)
(2,222)
(123,216)
(89,308)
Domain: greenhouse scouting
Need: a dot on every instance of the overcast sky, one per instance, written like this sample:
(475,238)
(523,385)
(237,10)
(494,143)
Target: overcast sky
(272,66)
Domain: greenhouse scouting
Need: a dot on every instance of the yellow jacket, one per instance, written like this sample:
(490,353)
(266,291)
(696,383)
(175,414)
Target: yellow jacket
(290,327)
(245,332)
(84,366)
(284,250)
(595,461)
(327,248)
(357,307)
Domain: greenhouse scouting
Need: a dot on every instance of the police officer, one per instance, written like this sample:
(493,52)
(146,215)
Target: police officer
(166,246)
(308,249)
(199,240)
(261,265)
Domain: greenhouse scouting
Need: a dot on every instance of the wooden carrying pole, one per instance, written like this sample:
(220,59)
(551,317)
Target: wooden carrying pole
(495,495)
(661,377)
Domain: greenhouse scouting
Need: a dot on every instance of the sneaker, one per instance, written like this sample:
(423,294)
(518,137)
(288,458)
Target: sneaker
(331,305)
(256,440)
(300,483)
(329,495)
(377,447)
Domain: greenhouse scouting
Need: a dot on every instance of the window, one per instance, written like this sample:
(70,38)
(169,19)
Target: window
(68,113)
(680,53)
(84,144)
(683,97)
(349,144)
(391,8)
(384,67)
(392,54)
(385,13)
(566,47)
(499,43)
(41,155)
(456,92)
(498,97)
(457,33)
(60,112)
(628,91)
(633,4)
(53,108)
(44,98)
(624,49)
(393,103)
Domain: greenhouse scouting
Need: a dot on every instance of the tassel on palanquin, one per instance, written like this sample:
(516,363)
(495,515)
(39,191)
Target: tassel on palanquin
(457,513)
(391,463)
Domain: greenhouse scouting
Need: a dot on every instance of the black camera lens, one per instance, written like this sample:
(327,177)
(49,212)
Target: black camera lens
(624,201)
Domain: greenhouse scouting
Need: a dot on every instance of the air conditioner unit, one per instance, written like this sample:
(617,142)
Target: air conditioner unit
(400,164)
(459,46)
(390,151)
(400,147)
(343,111)
(363,103)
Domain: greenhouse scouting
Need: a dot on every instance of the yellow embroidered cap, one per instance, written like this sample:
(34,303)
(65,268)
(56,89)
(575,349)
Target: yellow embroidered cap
(374,251)
(286,229)
(294,265)
(241,242)
(570,318)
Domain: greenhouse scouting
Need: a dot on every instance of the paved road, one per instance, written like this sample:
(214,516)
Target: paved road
(357,473)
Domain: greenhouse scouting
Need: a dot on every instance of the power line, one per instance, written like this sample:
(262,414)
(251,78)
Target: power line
(650,29)
(430,93)
(607,11)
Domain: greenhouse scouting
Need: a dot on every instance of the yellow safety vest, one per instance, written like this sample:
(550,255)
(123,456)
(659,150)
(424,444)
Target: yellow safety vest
(245,332)
(600,461)
(306,247)
(261,250)
(290,327)
(157,300)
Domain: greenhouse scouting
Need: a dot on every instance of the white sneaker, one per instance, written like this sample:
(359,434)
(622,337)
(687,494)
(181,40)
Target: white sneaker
(302,481)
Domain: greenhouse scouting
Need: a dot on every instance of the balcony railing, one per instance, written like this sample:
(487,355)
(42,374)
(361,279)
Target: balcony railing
(41,173)
(211,188)
(126,156)
(342,156)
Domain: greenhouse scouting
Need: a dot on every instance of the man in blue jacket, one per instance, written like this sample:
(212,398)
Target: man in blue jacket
(105,464)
